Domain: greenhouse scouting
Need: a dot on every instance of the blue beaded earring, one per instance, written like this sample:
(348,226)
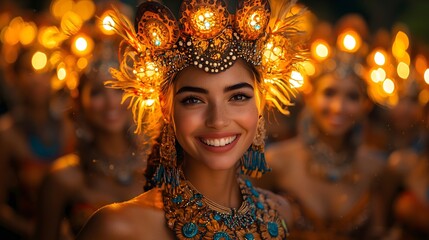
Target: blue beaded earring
(253,161)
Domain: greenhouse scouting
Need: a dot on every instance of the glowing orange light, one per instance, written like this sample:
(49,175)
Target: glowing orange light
(426,76)
(72,80)
(71,23)
(421,64)
(269,55)
(82,45)
(149,102)
(11,32)
(379,58)
(149,69)
(320,50)
(378,75)
(205,19)
(39,60)
(82,63)
(424,97)
(296,79)
(309,68)
(403,70)
(60,7)
(388,86)
(49,37)
(349,41)
(61,71)
(402,40)
(85,8)
(28,33)
(108,25)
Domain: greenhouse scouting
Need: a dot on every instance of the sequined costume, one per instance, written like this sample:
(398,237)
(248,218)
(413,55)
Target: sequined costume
(191,216)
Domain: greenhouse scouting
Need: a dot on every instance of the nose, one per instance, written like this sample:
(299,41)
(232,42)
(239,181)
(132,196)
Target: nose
(338,105)
(113,98)
(217,116)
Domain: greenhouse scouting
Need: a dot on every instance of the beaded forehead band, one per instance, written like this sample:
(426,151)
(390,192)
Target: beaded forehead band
(208,37)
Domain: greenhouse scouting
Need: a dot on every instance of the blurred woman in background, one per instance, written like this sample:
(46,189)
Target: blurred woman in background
(326,172)
(37,135)
(106,167)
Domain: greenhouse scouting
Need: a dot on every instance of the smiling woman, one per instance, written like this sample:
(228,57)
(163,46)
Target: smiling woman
(198,90)
(215,118)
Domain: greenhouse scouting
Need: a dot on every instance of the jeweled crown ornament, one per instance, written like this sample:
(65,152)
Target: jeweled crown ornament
(206,36)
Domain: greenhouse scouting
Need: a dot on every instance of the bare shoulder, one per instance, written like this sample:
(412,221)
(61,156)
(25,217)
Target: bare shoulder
(65,174)
(277,154)
(279,203)
(139,218)
(402,161)
(282,154)
(8,136)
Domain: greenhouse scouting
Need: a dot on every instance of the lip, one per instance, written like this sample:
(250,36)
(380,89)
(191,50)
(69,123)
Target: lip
(337,121)
(219,149)
(112,115)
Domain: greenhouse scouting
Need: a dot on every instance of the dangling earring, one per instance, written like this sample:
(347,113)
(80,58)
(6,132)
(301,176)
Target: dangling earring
(167,172)
(253,161)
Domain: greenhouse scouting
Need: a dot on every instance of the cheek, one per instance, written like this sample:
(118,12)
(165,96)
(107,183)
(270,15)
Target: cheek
(185,122)
(319,104)
(355,109)
(93,104)
(249,118)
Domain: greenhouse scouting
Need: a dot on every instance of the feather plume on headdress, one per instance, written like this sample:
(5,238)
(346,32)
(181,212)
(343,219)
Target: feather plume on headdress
(143,95)
(284,46)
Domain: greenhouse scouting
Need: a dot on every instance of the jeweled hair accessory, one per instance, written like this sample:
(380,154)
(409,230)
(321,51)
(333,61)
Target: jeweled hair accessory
(208,37)
(342,53)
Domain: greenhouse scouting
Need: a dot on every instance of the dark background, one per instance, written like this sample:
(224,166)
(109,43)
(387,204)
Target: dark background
(378,13)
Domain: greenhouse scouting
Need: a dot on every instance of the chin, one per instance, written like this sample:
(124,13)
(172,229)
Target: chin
(218,163)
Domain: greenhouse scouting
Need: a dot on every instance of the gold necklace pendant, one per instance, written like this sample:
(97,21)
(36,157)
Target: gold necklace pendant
(192,216)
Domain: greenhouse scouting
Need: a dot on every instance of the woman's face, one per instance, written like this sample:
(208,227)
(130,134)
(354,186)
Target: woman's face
(102,107)
(336,104)
(215,115)
(34,87)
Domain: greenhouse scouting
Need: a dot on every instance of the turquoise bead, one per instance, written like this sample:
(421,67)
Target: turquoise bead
(189,230)
(273,229)
(221,235)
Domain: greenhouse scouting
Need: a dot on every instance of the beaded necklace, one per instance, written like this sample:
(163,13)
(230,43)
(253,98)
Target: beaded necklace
(192,216)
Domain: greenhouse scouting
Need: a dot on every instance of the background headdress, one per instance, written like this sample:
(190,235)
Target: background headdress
(393,72)
(338,49)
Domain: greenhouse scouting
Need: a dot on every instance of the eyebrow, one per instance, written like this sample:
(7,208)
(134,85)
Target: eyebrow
(238,86)
(205,91)
(192,89)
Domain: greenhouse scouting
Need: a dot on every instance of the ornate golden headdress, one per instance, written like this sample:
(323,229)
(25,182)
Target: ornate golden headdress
(338,50)
(206,36)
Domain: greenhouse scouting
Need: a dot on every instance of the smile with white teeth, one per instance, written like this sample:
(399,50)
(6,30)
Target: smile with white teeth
(218,142)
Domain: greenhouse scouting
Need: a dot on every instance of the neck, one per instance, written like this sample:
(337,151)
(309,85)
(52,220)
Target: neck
(404,138)
(38,115)
(219,186)
(113,145)
(336,143)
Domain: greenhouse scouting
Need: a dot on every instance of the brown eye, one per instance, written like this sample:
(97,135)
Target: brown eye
(329,92)
(191,101)
(240,97)
(354,96)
